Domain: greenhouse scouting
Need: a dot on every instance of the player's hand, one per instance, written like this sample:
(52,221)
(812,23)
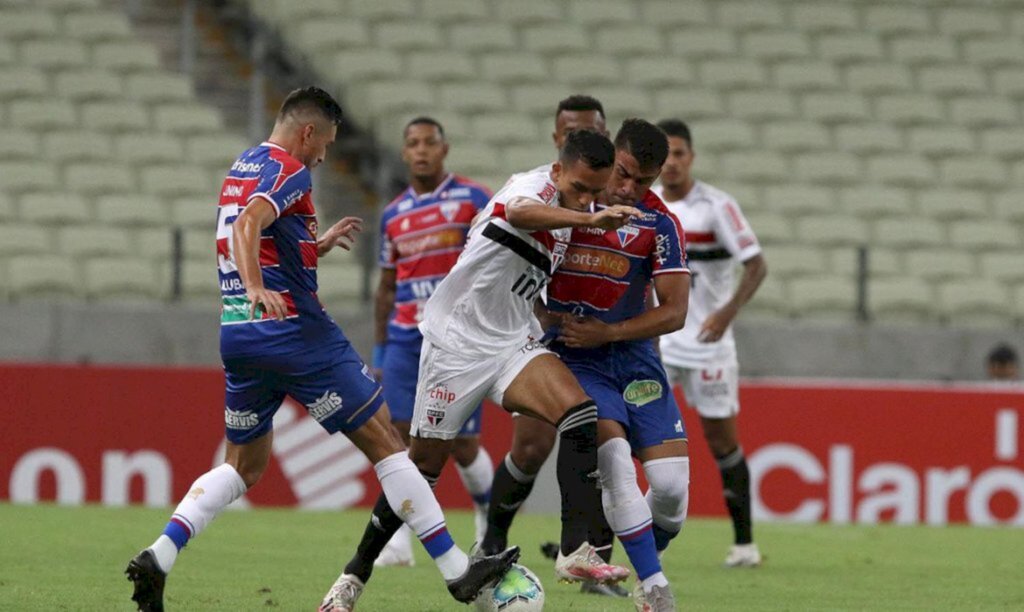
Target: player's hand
(341,234)
(613,217)
(586,332)
(272,303)
(715,325)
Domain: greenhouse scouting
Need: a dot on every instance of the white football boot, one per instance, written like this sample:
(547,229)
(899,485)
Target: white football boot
(585,564)
(743,555)
(343,595)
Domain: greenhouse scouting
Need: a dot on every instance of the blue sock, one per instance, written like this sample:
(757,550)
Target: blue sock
(642,553)
(483,499)
(177,532)
(662,537)
(437,542)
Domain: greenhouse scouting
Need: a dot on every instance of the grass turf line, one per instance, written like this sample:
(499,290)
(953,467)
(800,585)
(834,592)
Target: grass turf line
(73,558)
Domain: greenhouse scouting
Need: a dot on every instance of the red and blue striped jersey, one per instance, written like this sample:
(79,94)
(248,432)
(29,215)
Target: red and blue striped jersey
(606,273)
(422,236)
(287,258)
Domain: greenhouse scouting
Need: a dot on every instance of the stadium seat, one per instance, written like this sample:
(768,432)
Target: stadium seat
(538,100)
(823,294)
(54,207)
(897,20)
(908,109)
(530,12)
(953,79)
(936,141)
(847,47)
(688,104)
(1010,205)
(921,50)
(42,114)
(622,101)
(187,119)
(111,116)
(726,74)
(130,210)
(749,15)
(602,12)
(867,138)
(89,84)
(470,159)
(99,178)
(304,9)
(994,52)
(504,128)
(329,34)
(21,176)
(629,40)
(168,180)
(24,239)
(795,136)
(199,280)
(519,158)
(199,243)
(654,72)
(75,145)
(881,262)
(984,235)
(722,135)
(126,56)
(960,21)
(408,35)
(350,66)
(197,212)
(19,144)
(472,98)
(149,147)
(909,232)
(772,45)
(376,10)
(970,302)
(904,170)
(42,276)
(874,202)
(827,168)
(950,204)
(53,54)
(770,301)
(762,104)
(1003,142)
(877,78)
(934,264)
(798,199)
(88,240)
(1003,266)
(700,42)
(1008,82)
(900,299)
(837,107)
(755,167)
(216,149)
(983,112)
(97,25)
(832,230)
(339,282)
(974,172)
(154,243)
(7,53)
(487,36)
(6,207)
(122,278)
(553,38)
(447,11)
(26,24)
(770,227)
(442,66)
(807,75)
(817,17)
(157,87)
(523,67)
(792,261)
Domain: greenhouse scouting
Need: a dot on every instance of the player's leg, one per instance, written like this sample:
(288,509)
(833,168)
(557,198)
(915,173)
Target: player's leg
(399,373)
(532,441)
(476,469)
(250,403)
(535,382)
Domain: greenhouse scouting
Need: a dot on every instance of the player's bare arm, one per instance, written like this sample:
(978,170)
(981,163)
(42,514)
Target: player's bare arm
(754,271)
(673,291)
(256,217)
(384,303)
(341,234)
(532,215)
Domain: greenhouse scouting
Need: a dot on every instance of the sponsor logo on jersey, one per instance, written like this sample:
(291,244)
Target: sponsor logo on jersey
(246,167)
(442,393)
(405,205)
(661,249)
(444,239)
(232,284)
(312,227)
(450,209)
(596,261)
(627,234)
(295,195)
(457,193)
(325,406)
(679,426)
(548,193)
(233,191)
(237,419)
(641,392)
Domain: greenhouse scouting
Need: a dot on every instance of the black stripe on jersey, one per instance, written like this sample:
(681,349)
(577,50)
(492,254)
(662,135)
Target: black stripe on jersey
(518,246)
(709,255)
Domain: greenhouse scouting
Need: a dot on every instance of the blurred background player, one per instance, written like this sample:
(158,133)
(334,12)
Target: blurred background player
(481,339)
(423,231)
(598,299)
(277,340)
(1002,364)
(701,357)
(533,439)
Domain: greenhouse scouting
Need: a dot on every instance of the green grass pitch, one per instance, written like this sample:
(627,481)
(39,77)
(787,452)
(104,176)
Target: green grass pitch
(55,558)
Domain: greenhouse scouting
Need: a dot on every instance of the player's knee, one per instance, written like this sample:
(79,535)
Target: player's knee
(250,473)
(615,467)
(465,450)
(530,455)
(427,460)
(669,481)
(720,443)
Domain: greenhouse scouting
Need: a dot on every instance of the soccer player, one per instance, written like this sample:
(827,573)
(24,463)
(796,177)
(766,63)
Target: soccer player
(277,340)
(423,231)
(597,301)
(481,339)
(701,357)
(533,439)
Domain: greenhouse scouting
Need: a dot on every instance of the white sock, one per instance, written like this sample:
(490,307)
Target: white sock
(669,492)
(478,476)
(208,495)
(652,581)
(624,504)
(411,499)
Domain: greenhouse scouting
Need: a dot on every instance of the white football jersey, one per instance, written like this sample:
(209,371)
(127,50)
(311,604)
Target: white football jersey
(717,237)
(485,303)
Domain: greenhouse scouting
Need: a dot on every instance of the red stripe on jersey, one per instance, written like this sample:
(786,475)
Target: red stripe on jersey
(434,264)
(405,314)
(309,254)
(734,216)
(600,293)
(289,303)
(223,248)
(544,237)
(268,252)
(700,237)
(499,211)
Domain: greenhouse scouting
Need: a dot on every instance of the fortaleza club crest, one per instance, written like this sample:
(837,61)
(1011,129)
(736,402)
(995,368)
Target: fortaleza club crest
(450,209)
(640,392)
(627,234)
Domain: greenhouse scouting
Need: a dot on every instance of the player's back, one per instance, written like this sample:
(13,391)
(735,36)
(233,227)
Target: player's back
(486,301)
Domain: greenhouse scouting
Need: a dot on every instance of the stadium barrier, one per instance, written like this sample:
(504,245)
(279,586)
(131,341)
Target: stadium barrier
(835,451)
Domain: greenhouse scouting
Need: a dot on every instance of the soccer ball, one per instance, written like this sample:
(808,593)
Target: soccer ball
(519,590)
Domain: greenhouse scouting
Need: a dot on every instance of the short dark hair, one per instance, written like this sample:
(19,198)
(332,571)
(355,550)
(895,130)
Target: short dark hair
(644,141)
(1002,354)
(580,102)
(595,150)
(306,99)
(423,120)
(677,128)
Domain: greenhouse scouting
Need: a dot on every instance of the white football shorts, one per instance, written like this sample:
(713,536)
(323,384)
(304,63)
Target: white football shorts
(713,391)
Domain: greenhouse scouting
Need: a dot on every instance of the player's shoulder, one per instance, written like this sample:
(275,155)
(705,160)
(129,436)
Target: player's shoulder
(399,204)
(653,202)
(288,164)
(535,184)
(714,195)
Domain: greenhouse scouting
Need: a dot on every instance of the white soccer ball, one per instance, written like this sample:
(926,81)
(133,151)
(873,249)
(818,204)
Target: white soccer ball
(519,590)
